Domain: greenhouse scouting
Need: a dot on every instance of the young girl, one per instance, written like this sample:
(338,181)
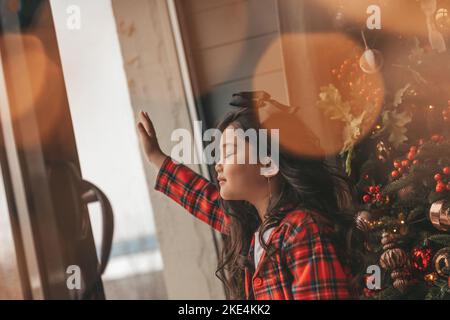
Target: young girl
(280,227)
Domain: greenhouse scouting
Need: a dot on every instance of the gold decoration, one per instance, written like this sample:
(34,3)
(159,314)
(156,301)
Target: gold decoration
(442,19)
(401,279)
(389,240)
(393,259)
(441,262)
(430,278)
(440,215)
(383,152)
(363,221)
(401,285)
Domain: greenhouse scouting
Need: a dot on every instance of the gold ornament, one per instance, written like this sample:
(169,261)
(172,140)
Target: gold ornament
(383,152)
(435,38)
(400,274)
(389,240)
(364,221)
(440,215)
(431,278)
(442,18)
(401,284)
(393,259)
(441,262)
(401,279)
(371,60)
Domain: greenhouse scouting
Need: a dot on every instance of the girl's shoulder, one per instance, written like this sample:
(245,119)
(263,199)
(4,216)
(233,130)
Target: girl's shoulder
(299,222)
(298,218)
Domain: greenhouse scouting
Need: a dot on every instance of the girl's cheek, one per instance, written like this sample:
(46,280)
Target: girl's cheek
(241,177)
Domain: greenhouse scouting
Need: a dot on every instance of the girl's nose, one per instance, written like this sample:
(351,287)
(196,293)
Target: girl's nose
(219,167)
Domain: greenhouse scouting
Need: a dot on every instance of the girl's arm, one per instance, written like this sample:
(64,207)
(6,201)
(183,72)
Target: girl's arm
(193,192)
(189,189)
(316,271)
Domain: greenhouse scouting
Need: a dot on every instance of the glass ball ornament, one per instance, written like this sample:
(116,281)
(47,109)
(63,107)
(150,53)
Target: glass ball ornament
(371,61)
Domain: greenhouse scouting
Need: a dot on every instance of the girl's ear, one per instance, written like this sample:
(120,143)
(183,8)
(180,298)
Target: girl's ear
(269,168)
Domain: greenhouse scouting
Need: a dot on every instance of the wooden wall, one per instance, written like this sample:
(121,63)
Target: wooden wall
(232,46)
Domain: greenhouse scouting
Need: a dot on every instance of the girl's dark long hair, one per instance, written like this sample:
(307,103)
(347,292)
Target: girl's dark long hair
(310,184)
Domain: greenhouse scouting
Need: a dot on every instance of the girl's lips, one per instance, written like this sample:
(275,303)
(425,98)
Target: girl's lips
(221,182)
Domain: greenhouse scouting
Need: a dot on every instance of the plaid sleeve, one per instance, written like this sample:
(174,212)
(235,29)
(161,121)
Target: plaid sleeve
(192,191)
(311,259)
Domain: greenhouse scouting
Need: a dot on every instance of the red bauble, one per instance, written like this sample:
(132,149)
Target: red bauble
(421,258)
(446,170)
(395,174)
(366,198)
(440,186)
(437,177)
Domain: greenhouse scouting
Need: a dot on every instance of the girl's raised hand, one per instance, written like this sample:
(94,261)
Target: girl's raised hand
(149,141)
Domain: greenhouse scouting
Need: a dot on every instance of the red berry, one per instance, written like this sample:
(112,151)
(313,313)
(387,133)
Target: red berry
(405,163)
(413,149)
(411,156)
(379,197)
(437,177)
(366,198)
(366,177)
(397,164)
(440,188)
(446,170)
(377,188)
(395,174)
(372,189)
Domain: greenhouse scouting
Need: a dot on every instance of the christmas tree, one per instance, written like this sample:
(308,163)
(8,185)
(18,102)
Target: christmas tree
(401,168)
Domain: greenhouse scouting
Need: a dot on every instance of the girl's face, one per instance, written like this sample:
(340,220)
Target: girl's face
(239,181)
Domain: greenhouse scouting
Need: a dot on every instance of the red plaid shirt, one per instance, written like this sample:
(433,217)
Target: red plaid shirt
(305,265)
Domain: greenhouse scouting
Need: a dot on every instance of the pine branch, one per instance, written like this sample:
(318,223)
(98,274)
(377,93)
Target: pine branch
(443,239)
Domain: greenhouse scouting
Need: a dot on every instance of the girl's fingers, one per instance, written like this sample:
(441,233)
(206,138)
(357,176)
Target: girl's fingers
(142,132)
(150,123)
(144,122)
(147,123)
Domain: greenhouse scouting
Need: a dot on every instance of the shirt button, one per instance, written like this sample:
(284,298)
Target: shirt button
(257,282)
